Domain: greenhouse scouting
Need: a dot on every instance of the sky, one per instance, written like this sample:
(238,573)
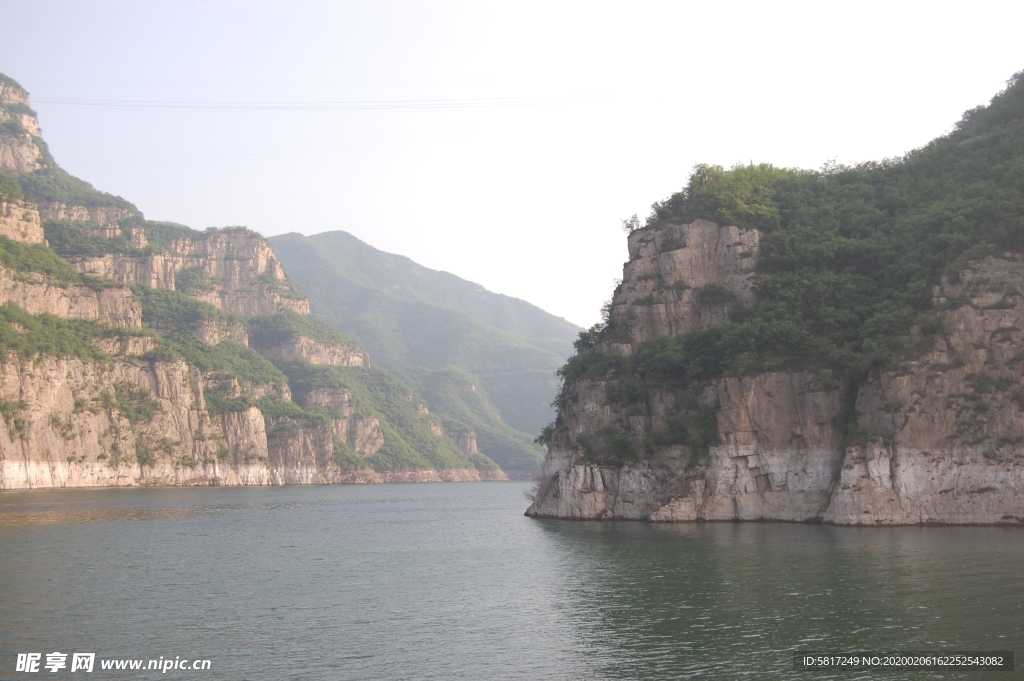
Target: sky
(504,142)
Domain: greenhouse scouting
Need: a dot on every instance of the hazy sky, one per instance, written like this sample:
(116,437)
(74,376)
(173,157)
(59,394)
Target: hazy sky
(503,142)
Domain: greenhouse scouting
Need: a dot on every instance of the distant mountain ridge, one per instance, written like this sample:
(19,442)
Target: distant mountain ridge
(405,278)
(411,317)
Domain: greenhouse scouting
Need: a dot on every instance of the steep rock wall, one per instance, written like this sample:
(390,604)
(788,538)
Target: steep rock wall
(18,151)
(944,434)
(316,352)
(19,221)
(68,423)
(104,216)
(660,281)
(245,277)
(37,293)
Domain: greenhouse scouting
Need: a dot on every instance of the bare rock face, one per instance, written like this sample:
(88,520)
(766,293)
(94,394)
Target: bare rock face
(777,460)
(19,153)
(945,434)
(242,273)
(948,431)
(317,352)
(19,221)
(213,332)
(69,427)
(69,423)
(104,216)
(36,293)
(666,268)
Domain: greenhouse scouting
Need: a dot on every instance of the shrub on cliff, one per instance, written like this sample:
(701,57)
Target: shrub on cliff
(281,327)
(10,190)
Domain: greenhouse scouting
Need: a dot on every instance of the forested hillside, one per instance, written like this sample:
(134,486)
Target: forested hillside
(412,317)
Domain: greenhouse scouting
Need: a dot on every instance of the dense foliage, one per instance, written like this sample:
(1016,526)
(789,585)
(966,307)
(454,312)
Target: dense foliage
(10,190)
(281,327)
(22,257)
(161,235)
(71,238)
(849,255)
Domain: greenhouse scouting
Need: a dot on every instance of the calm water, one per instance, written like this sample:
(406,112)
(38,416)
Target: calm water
(450,581)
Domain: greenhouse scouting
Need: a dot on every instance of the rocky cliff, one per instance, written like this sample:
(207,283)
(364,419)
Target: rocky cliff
(234,270)
(939,440)
(19,221)
(19,131)
(106,385)
(37,294)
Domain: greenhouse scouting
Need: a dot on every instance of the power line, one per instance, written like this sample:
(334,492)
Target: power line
(345,105)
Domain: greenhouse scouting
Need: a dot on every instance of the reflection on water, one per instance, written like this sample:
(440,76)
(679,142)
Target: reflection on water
(713,599)
(451,581)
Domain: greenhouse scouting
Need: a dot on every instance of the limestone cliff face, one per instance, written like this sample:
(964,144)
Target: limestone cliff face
(659,294)
(36,294)
(945,438)
(69,423)
(241,273)
(19,152)
(70,427)
(949,429)
(19,221)
(316,352)
(104,216)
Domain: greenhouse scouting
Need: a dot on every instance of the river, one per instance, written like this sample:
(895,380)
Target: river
(451,581)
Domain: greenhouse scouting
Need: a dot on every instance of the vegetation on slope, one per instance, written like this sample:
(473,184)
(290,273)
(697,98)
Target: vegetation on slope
(455,396)
(403,332)
(22,257)
(178,318)
(279,328)
(360,263)
(73,238)
(53,184)
(849,255)
(408,316)
(409,440)
(10,190)
(47,334)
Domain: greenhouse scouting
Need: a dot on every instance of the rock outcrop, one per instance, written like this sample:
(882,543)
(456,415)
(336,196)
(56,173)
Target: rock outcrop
(316,352)
(943,436)
(36,293)
(19,221)
(662,280)
(19,130)
(237,271)
(106,217)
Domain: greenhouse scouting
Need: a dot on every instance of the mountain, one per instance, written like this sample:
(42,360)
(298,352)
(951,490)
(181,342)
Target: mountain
(135,352)
(412,317)
(362,264)
(841,346)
